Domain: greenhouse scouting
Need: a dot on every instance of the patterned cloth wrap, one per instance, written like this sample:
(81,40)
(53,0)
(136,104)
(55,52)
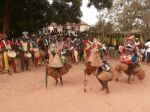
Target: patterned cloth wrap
(130,59)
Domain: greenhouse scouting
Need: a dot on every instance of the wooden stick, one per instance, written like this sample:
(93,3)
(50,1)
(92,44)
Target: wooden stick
(46,77)
(85,81)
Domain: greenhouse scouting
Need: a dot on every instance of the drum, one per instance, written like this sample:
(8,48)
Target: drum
(36,52)
(11,54)
(27,55)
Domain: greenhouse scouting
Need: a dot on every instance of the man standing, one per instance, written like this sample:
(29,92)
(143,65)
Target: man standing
(147,44)
(24,47)
(45,47)
(6,45)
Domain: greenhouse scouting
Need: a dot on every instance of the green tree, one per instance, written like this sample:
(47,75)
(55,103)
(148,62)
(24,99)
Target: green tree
(31,15)
(100,4)
(19,15)
(128,15)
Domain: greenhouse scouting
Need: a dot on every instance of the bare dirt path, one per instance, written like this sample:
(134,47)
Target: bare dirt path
(25,92)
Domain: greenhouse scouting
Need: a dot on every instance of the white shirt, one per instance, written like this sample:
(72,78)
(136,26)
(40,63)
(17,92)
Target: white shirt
(137,43)
(142,50)
(148,45)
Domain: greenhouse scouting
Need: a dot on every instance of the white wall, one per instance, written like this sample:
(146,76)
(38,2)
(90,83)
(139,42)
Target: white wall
(68,27)
(84,28)
(59,28)
(45,30)
(50,28)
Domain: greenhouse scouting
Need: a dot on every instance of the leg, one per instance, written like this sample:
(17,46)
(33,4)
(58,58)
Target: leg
(96,71)
(56,81)
(129,72)
(133,75)
(76,56)
(101,82)
(6,62)
(46,78)
(2,63)
(22,60)
(13,63)
(36,61)
(61,80)
(85,80)
(33,59)
(27,64)
(129,77)
(106,86)
(148,57)
(81,55)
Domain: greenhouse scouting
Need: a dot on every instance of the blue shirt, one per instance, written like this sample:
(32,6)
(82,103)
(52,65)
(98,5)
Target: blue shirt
(134,58)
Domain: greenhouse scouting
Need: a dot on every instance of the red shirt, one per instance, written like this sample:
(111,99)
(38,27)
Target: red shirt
(8,42)
(84,41)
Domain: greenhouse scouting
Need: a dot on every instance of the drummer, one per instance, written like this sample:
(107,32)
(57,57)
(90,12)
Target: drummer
(13,59)
(33,48)
(24,48)
(6,45)
(1,56)
(45,46)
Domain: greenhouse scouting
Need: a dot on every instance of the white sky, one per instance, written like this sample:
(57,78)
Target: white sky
(89,14)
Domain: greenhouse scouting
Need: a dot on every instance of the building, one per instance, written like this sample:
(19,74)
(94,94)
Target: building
(82,26)
(70,27)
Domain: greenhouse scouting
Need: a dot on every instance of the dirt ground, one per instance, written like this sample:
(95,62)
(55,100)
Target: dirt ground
(25,92)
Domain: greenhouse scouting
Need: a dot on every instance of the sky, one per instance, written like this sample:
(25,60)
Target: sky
(89,14)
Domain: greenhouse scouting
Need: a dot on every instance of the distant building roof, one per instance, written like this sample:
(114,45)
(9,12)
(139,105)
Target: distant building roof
(70,24)
(83,23)
(53,24)
(80,23)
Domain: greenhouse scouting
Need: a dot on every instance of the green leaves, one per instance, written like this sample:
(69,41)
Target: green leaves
(31,15)
(100,4)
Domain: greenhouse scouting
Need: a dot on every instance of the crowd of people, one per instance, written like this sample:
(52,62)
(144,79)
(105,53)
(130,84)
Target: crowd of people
(56,48)
(40,48)
(133,51)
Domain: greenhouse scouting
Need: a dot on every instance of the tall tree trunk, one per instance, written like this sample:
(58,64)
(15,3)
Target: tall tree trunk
(7,16)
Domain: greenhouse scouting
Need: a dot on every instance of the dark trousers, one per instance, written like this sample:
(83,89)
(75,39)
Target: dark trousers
(148,57)
(33,57)
(24,61)
(81,55)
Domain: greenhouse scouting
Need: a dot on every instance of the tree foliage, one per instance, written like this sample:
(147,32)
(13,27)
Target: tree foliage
(100,4)
(129,15)
(104,27)
(135,15)
(31,15)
